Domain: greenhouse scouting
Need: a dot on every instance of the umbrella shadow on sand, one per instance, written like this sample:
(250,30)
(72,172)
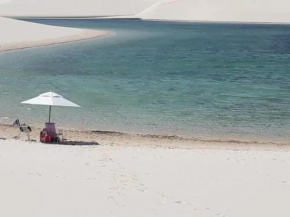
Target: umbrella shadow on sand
(75,143)
(80,143)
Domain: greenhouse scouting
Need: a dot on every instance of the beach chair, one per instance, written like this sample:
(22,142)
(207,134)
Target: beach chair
(49,134)
(23,129)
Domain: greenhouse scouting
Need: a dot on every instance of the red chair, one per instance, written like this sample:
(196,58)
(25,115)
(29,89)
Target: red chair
(49,135)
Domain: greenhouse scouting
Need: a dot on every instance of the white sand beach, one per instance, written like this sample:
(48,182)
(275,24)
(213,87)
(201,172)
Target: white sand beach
(123,175)
(272,11)
(16,34)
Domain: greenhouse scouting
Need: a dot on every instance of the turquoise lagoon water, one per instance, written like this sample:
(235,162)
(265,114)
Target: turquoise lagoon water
(207,81)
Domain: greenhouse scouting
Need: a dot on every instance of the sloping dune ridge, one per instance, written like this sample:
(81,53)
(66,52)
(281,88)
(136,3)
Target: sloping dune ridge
(34,35)
(72,8)
(277,11)
(220,10)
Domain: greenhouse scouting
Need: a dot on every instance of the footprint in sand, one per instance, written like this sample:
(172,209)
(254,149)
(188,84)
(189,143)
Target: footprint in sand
(181,202)
(220,215)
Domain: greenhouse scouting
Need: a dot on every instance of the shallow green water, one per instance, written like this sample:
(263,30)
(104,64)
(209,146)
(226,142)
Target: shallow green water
(222,81)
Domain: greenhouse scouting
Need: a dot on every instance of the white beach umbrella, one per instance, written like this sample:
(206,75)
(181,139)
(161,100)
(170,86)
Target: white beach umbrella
(50,99)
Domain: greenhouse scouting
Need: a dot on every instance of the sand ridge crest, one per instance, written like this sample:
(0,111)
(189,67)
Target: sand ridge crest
(35,35)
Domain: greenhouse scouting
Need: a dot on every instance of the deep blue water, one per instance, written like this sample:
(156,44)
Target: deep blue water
(221,81)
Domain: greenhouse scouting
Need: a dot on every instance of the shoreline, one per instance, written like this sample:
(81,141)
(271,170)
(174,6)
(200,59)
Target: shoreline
(84,35)
(77,136)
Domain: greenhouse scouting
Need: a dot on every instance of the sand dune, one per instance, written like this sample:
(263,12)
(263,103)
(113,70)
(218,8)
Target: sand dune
(221,10)
(17,34)
(184,10)
(75,8)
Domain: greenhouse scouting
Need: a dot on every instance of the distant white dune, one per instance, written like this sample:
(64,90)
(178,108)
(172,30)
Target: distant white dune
(184,10)
(219,10)
(73,8)
(34,35)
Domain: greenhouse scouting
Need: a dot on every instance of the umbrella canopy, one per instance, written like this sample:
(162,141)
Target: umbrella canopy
(50,99)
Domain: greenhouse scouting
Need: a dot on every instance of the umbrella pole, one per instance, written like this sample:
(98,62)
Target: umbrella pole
(49,114)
